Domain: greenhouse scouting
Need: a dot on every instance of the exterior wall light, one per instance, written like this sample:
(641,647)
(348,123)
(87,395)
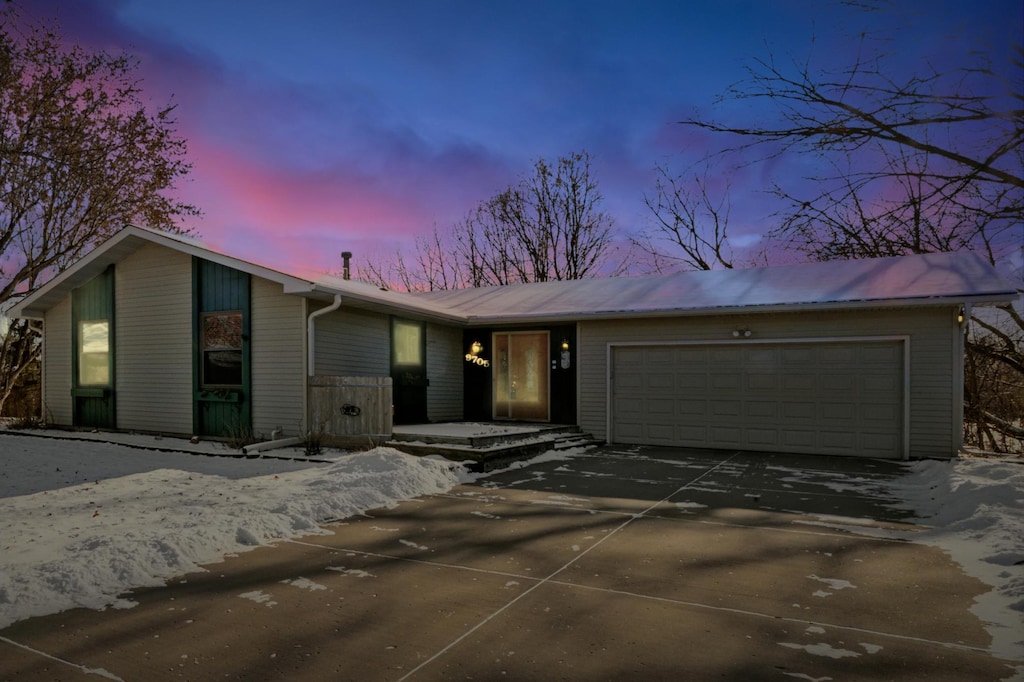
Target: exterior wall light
(741,332)
(565,344)
(960,316)
(475,349)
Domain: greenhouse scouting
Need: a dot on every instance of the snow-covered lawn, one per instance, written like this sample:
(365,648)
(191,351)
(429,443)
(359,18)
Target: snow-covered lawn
(974,508)
(83,522)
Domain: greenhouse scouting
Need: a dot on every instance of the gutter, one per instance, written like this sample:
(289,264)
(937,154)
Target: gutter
(311,333)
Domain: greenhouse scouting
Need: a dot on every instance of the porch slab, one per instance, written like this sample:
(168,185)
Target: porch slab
(486,445)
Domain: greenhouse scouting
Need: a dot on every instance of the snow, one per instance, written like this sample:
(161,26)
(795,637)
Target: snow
(83,522)
(974,508)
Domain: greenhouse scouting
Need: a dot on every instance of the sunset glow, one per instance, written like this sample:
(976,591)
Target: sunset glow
(316,126)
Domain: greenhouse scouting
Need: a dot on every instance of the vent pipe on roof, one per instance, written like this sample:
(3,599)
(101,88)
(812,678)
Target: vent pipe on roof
(346,256)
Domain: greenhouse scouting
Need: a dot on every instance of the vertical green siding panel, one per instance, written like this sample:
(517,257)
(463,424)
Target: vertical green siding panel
(223,413)
(94,301)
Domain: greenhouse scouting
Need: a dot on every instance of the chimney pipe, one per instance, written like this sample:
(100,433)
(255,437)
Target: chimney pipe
(345,257)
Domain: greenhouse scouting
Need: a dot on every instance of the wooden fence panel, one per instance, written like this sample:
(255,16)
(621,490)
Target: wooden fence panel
(347,407)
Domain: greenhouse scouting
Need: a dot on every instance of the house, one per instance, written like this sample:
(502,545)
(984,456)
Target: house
(153,332)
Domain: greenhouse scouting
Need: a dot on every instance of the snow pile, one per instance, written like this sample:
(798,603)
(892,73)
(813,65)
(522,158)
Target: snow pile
(85,544)
(975,510)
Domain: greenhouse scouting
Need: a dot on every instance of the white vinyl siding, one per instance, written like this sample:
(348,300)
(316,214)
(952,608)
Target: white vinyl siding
(57,365)
(932,333)
(353,343)
(445,358)
(277,327)
(153,341)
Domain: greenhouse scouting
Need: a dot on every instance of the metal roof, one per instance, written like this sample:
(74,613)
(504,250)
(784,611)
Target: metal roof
(905,280)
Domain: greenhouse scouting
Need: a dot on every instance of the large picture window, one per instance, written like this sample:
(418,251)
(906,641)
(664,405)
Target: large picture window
(94,353)
(222,349)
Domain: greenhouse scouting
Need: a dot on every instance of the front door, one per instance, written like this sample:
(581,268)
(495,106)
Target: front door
(521,376)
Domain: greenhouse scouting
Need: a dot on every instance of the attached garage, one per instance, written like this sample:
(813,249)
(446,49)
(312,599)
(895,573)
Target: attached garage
(813,396)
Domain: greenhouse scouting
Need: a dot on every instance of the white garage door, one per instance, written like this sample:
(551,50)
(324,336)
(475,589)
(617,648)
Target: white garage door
(842,398)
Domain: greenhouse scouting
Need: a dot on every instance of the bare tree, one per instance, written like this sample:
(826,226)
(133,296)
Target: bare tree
(80,157)
(689,227)
(927,162)
(433,266)
(548,226)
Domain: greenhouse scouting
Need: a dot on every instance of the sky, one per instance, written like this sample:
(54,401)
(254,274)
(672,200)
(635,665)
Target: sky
(320,126)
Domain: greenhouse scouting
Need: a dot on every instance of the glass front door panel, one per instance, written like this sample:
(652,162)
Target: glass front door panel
(521,376)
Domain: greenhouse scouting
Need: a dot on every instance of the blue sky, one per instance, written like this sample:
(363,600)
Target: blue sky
(318,126)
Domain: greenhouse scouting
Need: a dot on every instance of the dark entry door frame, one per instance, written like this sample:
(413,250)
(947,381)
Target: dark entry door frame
(409,371)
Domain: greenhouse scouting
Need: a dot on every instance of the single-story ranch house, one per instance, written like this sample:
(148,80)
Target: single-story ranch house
(152,332)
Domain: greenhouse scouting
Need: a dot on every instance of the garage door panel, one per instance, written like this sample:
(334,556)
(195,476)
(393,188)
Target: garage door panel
(838,383)
(691,355)
(838,441)
(833,355)
(876,444)
(733,380)
(760,438)
(759,409)
(659,357)
(880,383)
(692,435)
(692,408)
(660,381)
(626,380)
(837,412)
(762,381)
(761,355)
(691,381)
(661,433)
(799,382)
(659,409)
(880,355)
(724,435)
(721,354)
(797,439)
(828,397)
(726,408)
(799,412)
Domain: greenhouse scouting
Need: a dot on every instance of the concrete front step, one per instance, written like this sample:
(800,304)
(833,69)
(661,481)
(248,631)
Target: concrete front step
(491,451)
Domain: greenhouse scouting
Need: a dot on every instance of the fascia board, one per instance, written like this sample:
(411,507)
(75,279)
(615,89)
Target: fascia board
(525,318)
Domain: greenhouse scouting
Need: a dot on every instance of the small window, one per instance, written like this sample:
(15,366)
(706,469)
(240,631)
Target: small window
(407,343)
(94,353)
(222,349)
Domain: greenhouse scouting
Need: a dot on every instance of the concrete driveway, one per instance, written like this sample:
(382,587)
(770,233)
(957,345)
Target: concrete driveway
(624,563)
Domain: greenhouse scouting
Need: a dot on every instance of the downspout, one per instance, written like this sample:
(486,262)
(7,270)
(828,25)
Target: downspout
(963,322)
(42,370)
(311,333)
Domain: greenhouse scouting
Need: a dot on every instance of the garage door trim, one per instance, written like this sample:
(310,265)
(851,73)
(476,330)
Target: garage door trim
(903,339)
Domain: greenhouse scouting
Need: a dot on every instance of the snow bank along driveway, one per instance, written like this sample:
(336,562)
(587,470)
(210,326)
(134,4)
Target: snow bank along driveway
(83,522)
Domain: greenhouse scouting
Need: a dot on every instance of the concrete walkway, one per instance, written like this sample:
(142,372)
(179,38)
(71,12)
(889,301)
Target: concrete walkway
(623,564)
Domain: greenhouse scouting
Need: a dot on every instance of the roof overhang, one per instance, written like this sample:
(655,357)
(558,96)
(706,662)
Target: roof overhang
(562,317)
